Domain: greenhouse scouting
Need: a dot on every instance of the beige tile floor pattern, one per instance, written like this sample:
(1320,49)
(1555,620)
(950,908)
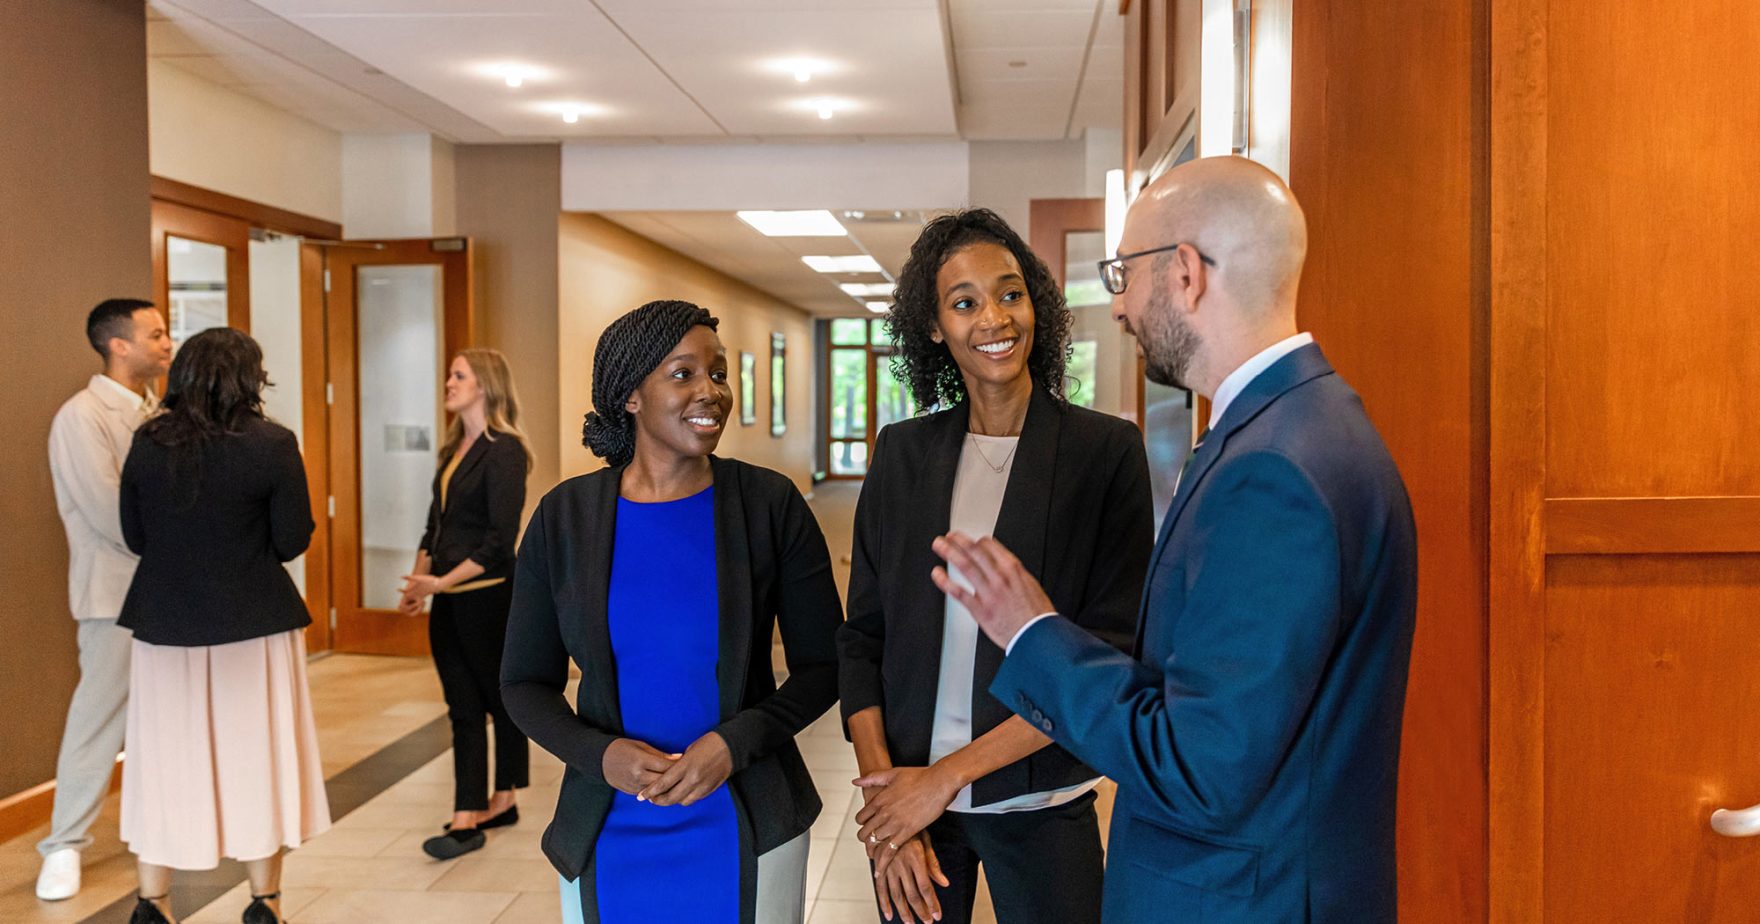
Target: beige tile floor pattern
(369,867)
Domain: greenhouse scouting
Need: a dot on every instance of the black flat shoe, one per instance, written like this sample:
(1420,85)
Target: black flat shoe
(145,912)
(507,816)
(454,844)
(259,911)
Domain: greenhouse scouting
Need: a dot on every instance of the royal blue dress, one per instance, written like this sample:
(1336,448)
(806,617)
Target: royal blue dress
(679,861)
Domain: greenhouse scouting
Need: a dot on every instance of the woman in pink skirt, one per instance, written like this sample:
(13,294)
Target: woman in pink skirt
(222,751)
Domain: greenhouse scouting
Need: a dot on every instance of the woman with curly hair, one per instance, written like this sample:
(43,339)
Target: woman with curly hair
(663,578)
(951,779)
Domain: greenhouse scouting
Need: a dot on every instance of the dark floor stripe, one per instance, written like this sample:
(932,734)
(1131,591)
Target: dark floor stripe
(348,790)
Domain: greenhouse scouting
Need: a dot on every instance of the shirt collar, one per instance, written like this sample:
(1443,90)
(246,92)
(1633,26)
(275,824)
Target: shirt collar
(1240,378)
(118,396)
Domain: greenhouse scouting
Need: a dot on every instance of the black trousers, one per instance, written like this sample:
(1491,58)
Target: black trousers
(1042,866)
(467,632)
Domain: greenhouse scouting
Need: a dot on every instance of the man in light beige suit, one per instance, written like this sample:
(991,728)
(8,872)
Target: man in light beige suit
(88,442)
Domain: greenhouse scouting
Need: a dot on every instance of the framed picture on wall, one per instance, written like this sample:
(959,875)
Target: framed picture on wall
(748,389)
(778,384)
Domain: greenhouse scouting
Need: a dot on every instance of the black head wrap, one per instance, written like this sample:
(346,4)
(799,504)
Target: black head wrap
(630,348)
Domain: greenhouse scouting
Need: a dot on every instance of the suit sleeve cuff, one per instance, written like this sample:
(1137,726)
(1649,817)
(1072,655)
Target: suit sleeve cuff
(1023,631)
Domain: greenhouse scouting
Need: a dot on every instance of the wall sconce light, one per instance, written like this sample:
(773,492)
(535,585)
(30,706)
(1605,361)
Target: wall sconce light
(1226,63)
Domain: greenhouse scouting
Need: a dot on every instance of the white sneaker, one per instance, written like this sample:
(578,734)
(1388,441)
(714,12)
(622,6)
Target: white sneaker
(60,876)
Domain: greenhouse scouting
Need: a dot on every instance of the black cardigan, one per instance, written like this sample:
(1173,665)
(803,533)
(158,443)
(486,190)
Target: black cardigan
(211,561)
(1077,512)
(483,504)
(772,569)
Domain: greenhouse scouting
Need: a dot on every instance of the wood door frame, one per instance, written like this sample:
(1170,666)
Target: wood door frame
(314,371)
(170,219)
(355,631)
(1517,558)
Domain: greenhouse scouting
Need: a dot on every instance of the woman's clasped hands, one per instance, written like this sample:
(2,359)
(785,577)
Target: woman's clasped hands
(651,775)
(901,803)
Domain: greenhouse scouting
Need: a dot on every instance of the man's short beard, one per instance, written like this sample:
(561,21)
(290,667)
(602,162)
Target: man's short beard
(1168,342)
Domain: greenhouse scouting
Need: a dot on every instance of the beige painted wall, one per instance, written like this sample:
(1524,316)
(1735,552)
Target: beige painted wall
(208,136)
(606,271)
(506,200)
(74,153)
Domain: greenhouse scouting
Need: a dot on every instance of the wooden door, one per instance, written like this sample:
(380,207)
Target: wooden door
(396,312)
(216,251)
(1625,482)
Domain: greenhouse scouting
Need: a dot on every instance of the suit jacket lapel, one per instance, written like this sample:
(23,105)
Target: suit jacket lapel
(733,577)
(1022,522)
(472,458)
(927,606)
(1298,367)
(599,522)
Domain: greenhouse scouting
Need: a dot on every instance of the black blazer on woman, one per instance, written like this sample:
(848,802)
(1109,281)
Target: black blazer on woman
(212,535)
(483,504)
(1078,514)
(772,569)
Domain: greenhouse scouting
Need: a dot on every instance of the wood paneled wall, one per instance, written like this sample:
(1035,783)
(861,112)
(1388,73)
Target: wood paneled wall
(1625,552)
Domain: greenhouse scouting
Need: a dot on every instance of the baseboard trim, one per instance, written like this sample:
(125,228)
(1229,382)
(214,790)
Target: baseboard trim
(23,811)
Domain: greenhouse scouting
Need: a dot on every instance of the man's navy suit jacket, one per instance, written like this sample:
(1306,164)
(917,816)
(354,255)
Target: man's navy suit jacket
(1255,736)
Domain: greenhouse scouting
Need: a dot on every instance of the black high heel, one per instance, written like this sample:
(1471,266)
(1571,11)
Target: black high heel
(259,911)
(145,912)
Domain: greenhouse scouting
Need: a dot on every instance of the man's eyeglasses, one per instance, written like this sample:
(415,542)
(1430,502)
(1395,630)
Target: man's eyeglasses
(1112,271)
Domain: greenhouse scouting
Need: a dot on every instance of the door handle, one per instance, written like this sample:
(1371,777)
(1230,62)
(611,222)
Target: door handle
(1737,823)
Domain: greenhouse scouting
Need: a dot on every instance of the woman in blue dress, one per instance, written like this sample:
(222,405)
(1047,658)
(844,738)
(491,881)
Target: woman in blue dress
(664,577)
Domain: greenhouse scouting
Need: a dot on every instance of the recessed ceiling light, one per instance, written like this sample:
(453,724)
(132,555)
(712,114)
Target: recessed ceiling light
(801,69)
(867,289)
(514,74)
(860,263)
(571,111)
(879,307)
(806,223)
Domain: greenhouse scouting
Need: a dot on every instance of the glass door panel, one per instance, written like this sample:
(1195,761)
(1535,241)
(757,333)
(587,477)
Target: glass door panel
(196,277)
(399,345)
(1099,369)
(396,311)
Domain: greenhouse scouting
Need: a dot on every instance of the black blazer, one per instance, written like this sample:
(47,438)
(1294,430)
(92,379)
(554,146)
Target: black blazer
(483,504)
(1077,512)
(772,568)
(212,538)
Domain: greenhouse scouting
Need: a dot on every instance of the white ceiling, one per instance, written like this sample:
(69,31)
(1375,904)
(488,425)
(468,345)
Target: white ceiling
(654,70)
(686,71)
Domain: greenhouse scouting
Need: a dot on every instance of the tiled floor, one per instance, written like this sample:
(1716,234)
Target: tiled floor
(369,868)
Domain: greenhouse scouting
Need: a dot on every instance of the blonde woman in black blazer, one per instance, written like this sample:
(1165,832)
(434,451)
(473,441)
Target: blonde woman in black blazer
(952,780)
(465,565)
(663,578)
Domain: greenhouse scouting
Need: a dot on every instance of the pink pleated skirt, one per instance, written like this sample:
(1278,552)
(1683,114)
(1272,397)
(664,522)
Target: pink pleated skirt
(222,753)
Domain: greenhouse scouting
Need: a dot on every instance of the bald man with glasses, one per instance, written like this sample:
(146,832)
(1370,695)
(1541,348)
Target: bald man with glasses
(1254,729)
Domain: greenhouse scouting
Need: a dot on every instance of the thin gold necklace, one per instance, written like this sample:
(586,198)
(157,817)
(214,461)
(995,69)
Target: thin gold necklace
(995,467)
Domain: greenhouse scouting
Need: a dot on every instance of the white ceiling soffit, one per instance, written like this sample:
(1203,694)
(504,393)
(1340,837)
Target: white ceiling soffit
(241,46)
(1037,69)
(720,240)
